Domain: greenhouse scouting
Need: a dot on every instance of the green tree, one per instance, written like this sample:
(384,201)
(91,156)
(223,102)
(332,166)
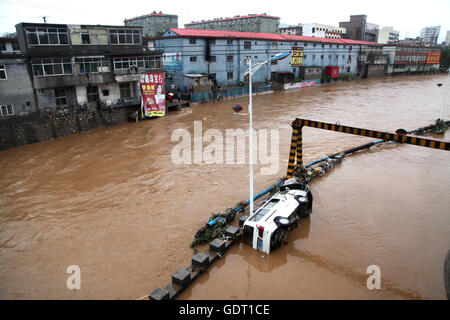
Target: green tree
(445,57)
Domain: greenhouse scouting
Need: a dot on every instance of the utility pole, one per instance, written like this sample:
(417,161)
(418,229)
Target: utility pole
(45,19)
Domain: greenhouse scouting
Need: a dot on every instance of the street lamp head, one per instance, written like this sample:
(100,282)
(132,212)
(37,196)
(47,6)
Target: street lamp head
(279,56)
(237,108)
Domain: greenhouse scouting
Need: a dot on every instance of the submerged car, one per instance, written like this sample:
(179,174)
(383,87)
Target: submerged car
(267,228)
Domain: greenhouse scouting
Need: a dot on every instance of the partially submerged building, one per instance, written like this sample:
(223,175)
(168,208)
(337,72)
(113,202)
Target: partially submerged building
(223,55)
(82,66)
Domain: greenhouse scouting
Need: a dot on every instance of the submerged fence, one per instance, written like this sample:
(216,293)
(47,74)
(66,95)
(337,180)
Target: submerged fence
(229,92)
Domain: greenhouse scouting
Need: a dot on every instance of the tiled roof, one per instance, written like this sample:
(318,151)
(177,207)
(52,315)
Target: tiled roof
(234,18)
(200,33)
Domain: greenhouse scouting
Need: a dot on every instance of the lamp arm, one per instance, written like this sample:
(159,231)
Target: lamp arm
(255,68)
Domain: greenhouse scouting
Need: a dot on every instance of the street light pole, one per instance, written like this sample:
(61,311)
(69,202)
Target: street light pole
(250,156)
(238,108)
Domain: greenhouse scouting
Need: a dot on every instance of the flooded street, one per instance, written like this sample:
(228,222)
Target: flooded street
(111,201)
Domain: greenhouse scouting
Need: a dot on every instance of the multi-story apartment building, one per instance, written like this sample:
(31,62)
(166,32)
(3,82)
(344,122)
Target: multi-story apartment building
(387,35)
(153,24)
(359,29)
(323,31)
(447,38)
(223,55)
(429,35)
(78,66)
(249,23)
(294,30)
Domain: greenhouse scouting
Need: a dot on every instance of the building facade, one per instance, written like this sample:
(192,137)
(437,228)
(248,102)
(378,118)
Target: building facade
(429,35)
(413,59)
(323,31)
(249,23)
(153,24)
(16,89)
(80,66)
(387,35)
(295,30)
(359,29)
(223,56)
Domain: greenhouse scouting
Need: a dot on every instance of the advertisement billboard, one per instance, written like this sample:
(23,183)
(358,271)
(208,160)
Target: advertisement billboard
(172,61)
(153,94)
(297,57)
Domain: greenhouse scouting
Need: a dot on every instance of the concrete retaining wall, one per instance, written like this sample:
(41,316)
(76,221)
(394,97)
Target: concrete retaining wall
(17,133)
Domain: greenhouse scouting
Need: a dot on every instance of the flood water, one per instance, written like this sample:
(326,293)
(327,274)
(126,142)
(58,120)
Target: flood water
(111,201)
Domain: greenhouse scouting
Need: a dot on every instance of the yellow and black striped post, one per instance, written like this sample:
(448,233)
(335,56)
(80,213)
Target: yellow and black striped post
(292,152)
(296,144)
(299,157)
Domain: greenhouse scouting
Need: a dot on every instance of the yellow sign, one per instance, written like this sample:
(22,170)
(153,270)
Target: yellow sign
(297,56)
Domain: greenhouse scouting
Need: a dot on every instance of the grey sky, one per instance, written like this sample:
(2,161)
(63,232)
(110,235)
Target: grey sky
(408,17)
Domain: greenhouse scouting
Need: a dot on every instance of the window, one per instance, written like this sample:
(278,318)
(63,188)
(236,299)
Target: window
(229,75)
(91,65)
(92,94)
(50,67)
(313,56)
(305,56)
(212,59)
(85,39)
(193,59)
(7,110)
(229,42)
(2,46)
(212,41)
(247,45)
(348,69)
(60,95)
(229,58)
(125,36)
(321,56)
(125,90)
(140,62)
(47,36)
(3,72)
(192,41)
(89,37)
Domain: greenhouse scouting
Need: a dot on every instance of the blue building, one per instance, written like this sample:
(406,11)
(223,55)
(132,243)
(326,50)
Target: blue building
(196,58)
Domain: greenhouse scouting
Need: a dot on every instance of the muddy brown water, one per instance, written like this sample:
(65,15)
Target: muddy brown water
(112,202)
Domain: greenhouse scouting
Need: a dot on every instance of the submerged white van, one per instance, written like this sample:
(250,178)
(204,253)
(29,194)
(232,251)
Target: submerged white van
(267,228)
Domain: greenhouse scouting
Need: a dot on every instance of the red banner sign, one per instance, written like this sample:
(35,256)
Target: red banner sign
(153,94)
(433,57)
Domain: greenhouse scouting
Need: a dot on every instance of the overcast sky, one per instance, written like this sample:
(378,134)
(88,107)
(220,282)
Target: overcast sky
(408,17)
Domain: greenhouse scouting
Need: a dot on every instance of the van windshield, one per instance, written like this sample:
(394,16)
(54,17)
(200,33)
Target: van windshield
(264,210)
